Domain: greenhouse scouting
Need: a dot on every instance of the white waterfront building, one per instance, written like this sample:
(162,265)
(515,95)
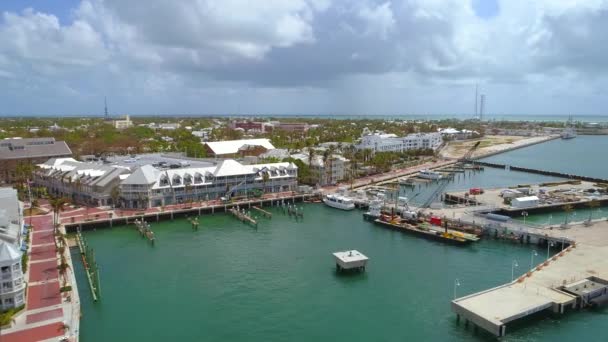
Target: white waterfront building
(153,180)
(382,142)
(12,284)
(149,186)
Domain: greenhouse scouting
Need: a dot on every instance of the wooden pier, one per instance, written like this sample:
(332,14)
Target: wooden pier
(90,266)
(243,217)
(144,229)
(184,212)
(263,212)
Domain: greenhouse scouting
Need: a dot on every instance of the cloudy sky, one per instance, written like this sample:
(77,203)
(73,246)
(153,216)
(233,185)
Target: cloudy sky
(303,56)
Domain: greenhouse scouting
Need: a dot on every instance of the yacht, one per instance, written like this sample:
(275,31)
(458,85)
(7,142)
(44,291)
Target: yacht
(428,174)
(568,133)
(339,202)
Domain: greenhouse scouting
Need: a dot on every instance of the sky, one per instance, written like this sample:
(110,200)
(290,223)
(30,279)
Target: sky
(343,57)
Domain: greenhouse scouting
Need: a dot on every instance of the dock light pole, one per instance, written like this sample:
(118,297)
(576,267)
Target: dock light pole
(456,284)
(513,265)
(534,253)
(524,214)
(549,245)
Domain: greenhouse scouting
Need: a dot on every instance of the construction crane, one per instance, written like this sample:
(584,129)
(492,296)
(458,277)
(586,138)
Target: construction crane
(233,189)
(467,156)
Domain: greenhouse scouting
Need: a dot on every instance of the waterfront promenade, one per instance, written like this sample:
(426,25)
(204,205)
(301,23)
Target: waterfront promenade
(48,314)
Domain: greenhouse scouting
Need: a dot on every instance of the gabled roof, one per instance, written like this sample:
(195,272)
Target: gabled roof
(146,174)
(230,167)
(8,252)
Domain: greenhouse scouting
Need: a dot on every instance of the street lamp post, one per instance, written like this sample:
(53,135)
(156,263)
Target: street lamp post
(549,245)
(534,253)
(524,214)
(456,284)
(513,265)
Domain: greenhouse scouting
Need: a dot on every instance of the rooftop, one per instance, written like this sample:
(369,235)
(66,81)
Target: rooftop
(233,146)
(17,148)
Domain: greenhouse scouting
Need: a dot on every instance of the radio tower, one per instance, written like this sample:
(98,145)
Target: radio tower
(105,108)
(475,107)
(482,106)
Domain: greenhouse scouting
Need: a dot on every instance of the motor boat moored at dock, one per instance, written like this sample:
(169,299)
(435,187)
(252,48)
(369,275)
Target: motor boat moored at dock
(428,174)
(339,202)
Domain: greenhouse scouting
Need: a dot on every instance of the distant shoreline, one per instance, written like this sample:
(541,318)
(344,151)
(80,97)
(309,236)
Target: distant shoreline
(427,117)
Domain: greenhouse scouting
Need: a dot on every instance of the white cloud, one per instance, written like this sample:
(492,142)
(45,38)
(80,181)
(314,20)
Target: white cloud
(182,49)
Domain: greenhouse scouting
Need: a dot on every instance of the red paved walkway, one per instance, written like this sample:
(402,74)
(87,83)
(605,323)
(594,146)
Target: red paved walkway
(39,296)
(43,270)
(42,316)
(41,237)
(43,252)
(35,334)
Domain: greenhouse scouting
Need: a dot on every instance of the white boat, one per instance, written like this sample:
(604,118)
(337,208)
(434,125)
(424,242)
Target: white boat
(375,210)
(339,202)
(428,174)
(568,133)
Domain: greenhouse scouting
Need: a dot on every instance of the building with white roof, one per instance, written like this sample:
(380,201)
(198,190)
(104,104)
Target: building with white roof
(156,180)
(81,182)
(151,187)
(244,147)
(382,142)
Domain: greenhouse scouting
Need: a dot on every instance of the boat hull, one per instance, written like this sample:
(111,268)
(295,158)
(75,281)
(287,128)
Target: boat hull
(340,206)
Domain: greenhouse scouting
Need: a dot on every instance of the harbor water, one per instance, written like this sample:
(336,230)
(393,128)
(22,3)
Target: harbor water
(231,282)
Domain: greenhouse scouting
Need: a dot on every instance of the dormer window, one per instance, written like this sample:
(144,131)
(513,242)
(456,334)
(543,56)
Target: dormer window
(164,180)
(177,180)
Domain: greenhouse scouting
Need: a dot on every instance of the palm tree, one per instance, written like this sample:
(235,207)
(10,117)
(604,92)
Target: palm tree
(115,194)
(57,204)
(265,178)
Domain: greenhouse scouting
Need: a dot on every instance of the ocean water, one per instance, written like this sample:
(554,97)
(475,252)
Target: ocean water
(230,282)
(584,155)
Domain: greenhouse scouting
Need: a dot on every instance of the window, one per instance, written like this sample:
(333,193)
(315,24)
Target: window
(16,267)
(7,285)
(8,301)
(5,269)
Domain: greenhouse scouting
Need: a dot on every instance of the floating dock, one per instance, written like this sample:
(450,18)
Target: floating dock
(350,260)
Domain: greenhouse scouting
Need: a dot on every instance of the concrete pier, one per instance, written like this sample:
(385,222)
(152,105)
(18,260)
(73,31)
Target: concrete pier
(547,287)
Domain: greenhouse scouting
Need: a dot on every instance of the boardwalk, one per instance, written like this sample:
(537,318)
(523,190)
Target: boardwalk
(46,308)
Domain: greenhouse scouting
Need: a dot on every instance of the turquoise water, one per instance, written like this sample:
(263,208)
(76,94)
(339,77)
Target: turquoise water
(231,282)
(585,155)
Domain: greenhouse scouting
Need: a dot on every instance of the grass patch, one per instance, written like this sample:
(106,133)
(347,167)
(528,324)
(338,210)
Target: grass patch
(33,212)
(7,317)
